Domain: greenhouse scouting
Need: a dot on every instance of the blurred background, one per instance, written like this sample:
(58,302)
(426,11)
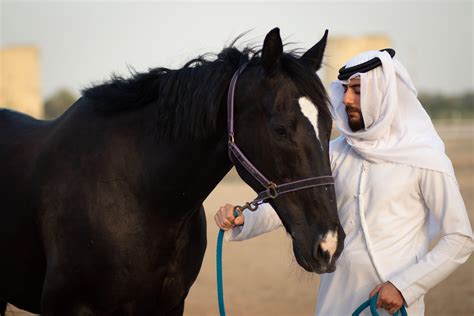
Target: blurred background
(50,50)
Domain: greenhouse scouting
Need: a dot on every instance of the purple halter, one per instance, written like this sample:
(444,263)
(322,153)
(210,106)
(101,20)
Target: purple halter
(272,190)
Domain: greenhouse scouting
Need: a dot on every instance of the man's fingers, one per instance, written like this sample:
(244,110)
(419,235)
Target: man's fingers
(382,301)
(392,308)
(375,290)
(229,218)
(388,305)
(227,223)
(229,212)
(239,220)
(218,221)
(389,297)
(225,218)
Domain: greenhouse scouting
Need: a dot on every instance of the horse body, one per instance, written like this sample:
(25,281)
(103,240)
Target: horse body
(104,205)
(99,199)
(22,265)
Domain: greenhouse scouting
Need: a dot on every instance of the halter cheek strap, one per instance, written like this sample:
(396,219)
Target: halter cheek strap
(272,190)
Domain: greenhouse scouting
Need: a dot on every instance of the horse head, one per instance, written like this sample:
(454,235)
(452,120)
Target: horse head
(283,126)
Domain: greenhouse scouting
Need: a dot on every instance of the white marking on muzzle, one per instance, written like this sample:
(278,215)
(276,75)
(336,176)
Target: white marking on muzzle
(311,112)
(329,243)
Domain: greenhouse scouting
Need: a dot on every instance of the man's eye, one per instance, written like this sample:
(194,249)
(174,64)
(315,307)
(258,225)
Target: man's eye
(345,88)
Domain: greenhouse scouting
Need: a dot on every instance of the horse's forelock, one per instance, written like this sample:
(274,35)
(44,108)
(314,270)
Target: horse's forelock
(308,83)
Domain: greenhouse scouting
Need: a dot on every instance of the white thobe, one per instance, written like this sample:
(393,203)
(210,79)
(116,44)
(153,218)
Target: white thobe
(387,211)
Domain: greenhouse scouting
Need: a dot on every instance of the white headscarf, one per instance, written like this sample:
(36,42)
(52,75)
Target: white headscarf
(397,128)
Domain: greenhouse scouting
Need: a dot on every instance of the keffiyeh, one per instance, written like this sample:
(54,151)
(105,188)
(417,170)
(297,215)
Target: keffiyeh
(397,128)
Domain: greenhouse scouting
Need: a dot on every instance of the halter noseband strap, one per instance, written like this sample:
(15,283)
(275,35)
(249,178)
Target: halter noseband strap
(294,186)
(272,190)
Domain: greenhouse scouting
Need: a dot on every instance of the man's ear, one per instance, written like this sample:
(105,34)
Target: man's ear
(272,51)
(314,56)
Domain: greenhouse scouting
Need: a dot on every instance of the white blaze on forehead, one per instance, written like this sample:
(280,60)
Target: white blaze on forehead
(311,112)
(329,243)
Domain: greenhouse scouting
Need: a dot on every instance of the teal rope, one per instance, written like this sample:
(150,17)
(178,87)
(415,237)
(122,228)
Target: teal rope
(373,309)
(220,285)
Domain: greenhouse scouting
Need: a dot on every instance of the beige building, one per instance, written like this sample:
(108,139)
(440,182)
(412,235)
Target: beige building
(341,48)
(20,80)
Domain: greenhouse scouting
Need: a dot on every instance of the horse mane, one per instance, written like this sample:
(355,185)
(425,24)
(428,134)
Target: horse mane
(186,101)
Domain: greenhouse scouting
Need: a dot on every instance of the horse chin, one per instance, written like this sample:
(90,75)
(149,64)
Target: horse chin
(331,268)
(314,265)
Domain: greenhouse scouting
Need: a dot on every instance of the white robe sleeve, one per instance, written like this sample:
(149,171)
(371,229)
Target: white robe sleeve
(443,199)
(262,221)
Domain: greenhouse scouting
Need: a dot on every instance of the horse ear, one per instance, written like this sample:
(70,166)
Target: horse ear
(314,56)
(272,50)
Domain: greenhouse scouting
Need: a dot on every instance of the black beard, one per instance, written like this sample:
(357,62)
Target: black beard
(355,125)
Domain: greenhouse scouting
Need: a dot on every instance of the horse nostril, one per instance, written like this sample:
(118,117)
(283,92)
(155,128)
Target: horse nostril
(318,253)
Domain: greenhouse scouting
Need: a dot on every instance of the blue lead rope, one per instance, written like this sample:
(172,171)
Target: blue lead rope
(220,283)
(220,286)
(373,309)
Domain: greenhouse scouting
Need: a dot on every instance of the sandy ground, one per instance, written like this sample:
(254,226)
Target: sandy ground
(262,278)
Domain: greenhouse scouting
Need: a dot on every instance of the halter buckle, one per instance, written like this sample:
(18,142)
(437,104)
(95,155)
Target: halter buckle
(231,139)
(272,190)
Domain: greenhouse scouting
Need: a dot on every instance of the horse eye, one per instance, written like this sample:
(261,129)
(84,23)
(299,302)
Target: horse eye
(280,131)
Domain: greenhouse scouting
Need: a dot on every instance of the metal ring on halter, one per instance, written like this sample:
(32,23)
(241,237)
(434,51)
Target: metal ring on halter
(251,206)
(247,206)
(272,190)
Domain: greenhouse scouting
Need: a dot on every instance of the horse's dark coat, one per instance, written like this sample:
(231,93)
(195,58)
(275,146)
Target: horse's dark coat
(102,208)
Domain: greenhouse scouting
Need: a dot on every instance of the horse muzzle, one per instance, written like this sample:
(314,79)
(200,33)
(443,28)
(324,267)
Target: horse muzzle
(323,254)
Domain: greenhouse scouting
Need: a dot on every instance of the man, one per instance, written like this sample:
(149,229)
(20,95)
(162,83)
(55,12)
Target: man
(395,189)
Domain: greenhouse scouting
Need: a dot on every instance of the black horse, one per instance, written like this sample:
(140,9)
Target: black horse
(101,209)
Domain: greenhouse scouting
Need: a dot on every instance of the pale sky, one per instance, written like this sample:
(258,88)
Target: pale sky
(85,41)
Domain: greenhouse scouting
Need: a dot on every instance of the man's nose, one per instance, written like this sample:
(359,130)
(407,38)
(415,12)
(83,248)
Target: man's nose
(348,98)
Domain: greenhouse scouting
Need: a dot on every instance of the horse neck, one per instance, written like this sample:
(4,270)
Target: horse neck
(184,171)
(199,167)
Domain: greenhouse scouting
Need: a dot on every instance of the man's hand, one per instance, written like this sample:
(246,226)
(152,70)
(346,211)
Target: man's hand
(389,298)
(225,218)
